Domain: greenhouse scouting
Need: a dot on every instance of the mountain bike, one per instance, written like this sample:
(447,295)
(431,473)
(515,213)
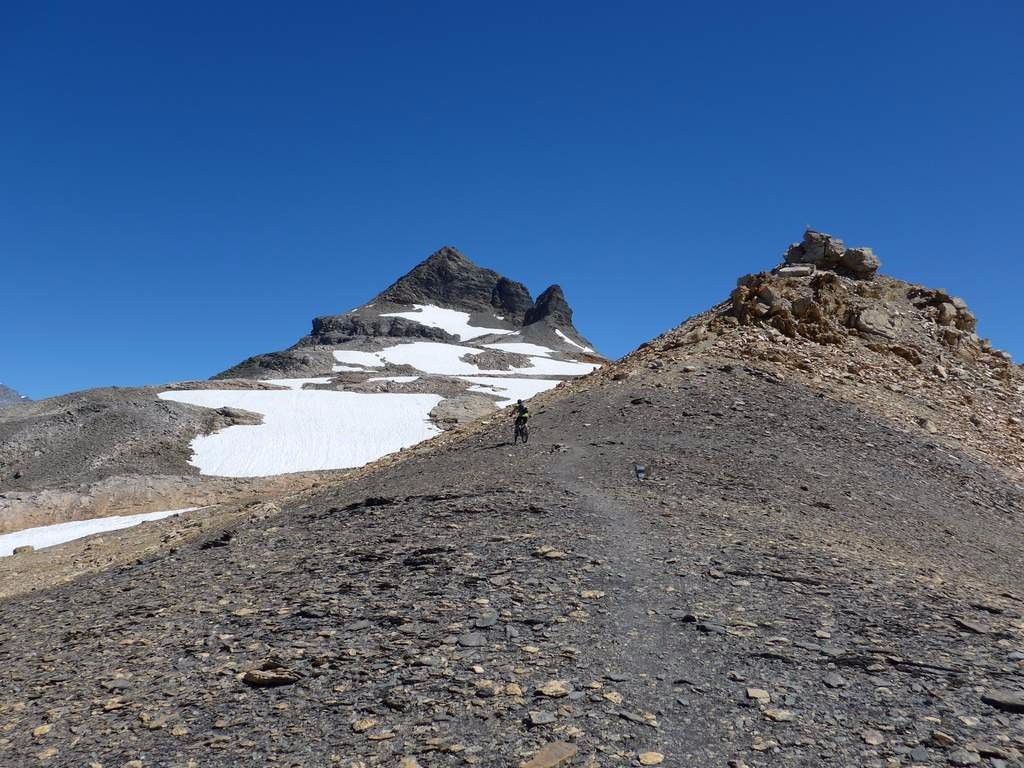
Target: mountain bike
(522,431)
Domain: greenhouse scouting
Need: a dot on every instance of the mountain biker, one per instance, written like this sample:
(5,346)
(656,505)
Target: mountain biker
(522,413)
(521,420)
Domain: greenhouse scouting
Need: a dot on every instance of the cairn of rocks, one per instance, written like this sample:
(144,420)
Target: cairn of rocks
(819,250)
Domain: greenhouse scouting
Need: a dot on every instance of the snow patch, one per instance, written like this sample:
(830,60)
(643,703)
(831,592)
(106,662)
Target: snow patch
(307,430)
(514,389)
(449,320)
(297,383)
(61,533)
(567,340)
(543,366)
(354,357)
(432,357)
(442,359)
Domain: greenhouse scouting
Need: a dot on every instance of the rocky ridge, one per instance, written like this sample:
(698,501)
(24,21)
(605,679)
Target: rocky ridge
(903,351)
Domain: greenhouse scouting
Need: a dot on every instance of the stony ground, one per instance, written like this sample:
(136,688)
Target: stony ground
(797,582)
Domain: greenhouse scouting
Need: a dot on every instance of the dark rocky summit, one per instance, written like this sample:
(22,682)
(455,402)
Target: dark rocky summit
(806,575)
(9,397)
(446,279)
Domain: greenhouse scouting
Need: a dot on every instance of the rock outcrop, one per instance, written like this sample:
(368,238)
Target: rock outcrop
(822,251)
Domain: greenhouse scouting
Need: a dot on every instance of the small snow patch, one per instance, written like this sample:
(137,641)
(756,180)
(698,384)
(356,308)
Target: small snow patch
(61,533)
(355,357)
(567,340)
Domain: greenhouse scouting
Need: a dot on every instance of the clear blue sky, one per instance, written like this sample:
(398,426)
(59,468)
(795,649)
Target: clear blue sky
(186,184)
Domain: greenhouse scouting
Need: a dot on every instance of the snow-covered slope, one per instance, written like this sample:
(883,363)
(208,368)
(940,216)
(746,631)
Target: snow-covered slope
(307,430)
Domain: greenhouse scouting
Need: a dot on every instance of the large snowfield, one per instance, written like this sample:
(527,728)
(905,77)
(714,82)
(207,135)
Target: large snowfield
(313,429)
(449,320)
(60,533)
(307,430)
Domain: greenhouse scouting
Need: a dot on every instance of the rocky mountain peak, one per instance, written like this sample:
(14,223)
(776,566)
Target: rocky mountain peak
(448,279)
(425,304)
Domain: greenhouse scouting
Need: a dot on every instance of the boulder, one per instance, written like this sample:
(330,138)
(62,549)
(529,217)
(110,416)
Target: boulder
(876,321)
(818,248)
(861,262)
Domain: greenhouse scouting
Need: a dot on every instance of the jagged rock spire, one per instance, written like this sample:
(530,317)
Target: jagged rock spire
(551,306)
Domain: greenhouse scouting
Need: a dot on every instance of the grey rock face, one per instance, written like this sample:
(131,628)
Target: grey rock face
(552,306)
(335,329)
